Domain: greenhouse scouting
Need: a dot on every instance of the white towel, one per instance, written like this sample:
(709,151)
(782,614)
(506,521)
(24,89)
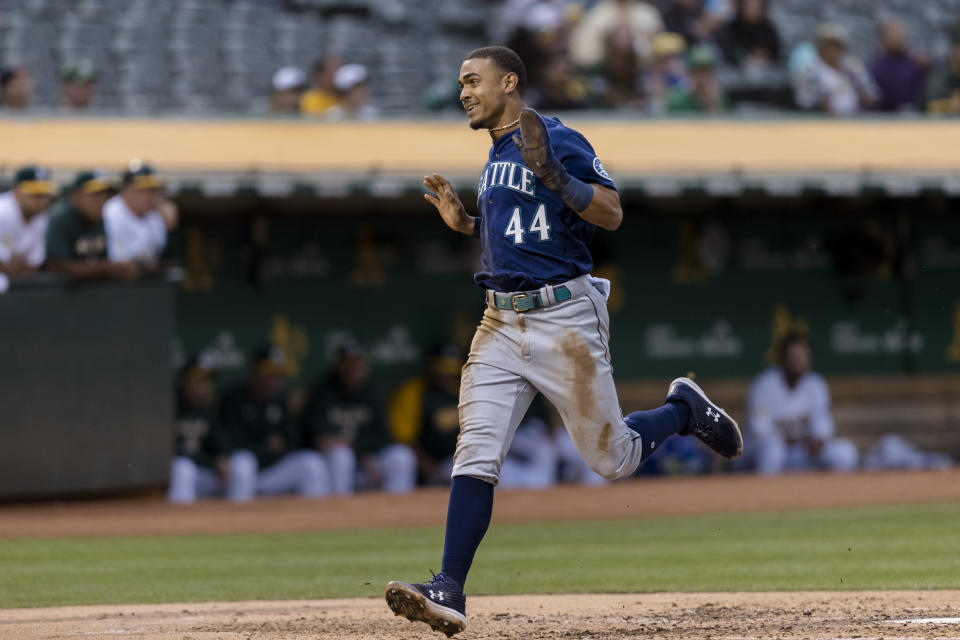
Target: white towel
(602,285)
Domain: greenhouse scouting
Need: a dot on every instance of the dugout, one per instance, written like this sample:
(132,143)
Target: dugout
(302,233)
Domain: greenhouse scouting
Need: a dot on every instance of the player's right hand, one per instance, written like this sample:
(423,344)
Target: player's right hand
(447,203)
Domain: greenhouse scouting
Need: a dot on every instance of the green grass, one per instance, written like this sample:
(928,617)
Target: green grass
(911,547)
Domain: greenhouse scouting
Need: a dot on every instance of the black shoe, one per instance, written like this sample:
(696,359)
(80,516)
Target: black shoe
(440,603)
(707,421)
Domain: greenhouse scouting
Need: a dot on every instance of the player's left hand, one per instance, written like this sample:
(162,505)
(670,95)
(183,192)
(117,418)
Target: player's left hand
(534,144)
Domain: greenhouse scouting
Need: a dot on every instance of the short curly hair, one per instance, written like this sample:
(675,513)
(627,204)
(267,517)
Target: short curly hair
(505,58)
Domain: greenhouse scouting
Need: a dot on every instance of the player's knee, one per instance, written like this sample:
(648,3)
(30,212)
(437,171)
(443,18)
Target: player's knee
(399,469)
(314,475)
(243,464)
(313,464)
(341,456)
(183,481)
(401,457)
(841,455)
(770,454)
(242,481)
(607,468)
(183,470)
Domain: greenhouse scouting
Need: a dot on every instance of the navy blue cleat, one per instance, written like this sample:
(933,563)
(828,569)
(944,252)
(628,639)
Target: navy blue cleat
(707,421)
(440,603)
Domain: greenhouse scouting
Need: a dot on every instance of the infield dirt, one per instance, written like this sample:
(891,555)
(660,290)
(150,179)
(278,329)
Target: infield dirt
(666,616)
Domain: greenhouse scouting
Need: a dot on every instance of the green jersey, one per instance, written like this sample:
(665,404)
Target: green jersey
(71,236)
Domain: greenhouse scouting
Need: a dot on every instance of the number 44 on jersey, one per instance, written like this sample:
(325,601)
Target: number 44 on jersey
(538,225)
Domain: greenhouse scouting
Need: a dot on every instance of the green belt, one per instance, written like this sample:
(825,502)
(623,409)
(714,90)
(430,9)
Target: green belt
(528,300)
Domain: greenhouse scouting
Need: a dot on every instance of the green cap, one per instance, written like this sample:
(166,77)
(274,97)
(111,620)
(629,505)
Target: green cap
(35,180)
(701,57)
(90,182)
(81,70)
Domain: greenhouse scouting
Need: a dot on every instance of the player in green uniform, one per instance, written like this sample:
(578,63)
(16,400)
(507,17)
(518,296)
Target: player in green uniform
(76,238)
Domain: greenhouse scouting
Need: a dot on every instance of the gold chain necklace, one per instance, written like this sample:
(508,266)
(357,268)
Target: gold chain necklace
(506,126)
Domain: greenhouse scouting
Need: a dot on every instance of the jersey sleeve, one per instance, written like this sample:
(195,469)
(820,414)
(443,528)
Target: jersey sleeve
(58,238)
(581,161)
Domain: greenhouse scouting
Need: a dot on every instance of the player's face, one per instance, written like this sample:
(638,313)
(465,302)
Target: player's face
(481,92)
(797,359)
(198,391)
(267,386)
(33,203)
(142,201)
(91,204)
(79,95)
(354,372)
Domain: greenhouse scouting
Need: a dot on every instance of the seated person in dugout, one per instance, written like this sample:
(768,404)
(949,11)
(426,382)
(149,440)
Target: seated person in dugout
(76,238)
(200,464)
(268,456)
(790,423)
(140,219)
(23,223)
(345,421)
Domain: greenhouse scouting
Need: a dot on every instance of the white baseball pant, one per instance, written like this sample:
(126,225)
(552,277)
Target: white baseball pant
(561,351)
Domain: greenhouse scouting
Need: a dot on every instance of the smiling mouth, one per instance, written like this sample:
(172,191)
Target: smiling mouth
(471,107)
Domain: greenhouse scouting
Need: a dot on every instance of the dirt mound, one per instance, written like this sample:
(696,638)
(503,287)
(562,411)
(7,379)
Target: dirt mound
(670,616)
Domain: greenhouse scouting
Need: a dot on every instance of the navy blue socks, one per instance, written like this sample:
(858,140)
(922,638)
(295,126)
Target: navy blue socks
(471,499)
(468,516)
(656,425)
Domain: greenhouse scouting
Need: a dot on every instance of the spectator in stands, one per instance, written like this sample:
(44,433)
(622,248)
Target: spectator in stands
(351,82)
(78,83)
(620,83)
(589,36)
(667,71)
(514,13)
(689,19)
(289,84)
(557,88)
(23,223)
(76,237)
(344,420)
(751,38)
(424,412)
(834,82)
(789,418)
(899,74)
(269,457)
(200,465)
(703,95)
(139,219)
(16,88)
(943,87)
(322,95)
(541,39)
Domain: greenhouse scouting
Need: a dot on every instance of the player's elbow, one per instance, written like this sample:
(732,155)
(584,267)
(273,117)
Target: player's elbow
(611,221)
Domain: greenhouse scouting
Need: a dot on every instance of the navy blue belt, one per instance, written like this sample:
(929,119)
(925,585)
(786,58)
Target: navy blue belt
(528,300)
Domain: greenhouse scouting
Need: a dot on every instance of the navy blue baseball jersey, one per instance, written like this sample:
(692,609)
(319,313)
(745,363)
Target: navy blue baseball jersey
(529,236)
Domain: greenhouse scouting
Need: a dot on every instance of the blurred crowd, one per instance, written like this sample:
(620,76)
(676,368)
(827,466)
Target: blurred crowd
(652,57)
(668,57)
(98,228)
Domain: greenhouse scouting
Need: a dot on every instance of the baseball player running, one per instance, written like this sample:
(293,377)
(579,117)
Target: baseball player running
(545,329)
